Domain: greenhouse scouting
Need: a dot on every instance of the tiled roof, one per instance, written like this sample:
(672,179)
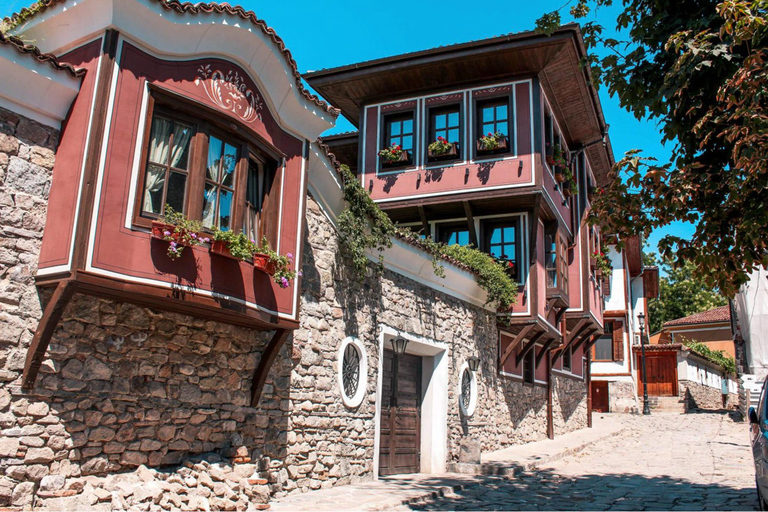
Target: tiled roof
(35,53)
(185,8)
(721,314)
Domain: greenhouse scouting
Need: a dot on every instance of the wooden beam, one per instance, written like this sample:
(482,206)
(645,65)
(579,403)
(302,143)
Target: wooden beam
(528,347)
(470,223)
(267,358)
(534,227)
(560,314)
(424,222)
(520,336)
(591,342)
(550,303)
(45,328)
(589,332)
(576,330)
(543,351)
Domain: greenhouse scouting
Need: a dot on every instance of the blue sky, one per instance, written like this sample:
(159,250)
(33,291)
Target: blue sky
(329,34)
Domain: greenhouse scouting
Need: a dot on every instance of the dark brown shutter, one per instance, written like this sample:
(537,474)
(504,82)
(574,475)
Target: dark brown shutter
(618,340)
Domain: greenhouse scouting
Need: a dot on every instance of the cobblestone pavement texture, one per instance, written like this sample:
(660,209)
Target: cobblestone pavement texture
(665,461)
(662,462)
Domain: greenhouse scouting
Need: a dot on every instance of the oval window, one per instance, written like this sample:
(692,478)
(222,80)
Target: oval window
(352,372)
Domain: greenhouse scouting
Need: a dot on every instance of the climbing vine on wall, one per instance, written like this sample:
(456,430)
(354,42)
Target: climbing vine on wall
(364,226)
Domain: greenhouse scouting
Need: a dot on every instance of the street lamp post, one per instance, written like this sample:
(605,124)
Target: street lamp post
(641,322)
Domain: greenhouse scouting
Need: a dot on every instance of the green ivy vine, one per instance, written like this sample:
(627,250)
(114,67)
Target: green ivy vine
(364,226)
(718,357)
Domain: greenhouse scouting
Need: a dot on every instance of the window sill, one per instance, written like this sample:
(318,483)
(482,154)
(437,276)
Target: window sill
(479,157)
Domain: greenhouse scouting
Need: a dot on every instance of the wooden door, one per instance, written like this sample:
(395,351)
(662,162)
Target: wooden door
(600,396)
(400,415)
(661,370)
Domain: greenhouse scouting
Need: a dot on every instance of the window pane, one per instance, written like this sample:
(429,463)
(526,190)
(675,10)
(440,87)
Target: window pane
(604,348)
(408,143)
(214,158)
(230,160)
(502,127)
(182,135)
(225,210)
(408,126)
(153,190)
(440,121)
(159,140)
(209,206)
(395,128)
(176,185)
(453,119)
(453,135)
(488,128)
(501,112)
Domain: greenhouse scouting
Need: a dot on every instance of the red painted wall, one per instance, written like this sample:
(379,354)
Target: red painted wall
(57,237)
(131,251)
(450,177)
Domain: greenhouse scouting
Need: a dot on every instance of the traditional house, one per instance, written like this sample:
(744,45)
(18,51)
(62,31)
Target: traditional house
(712,328)
(123,348)
(615,377)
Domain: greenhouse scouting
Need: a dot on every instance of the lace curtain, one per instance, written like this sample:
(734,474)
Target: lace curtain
(213,173)
(159,148)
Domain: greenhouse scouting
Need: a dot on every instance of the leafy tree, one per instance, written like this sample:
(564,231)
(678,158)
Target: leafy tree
(680,294)
(698,68)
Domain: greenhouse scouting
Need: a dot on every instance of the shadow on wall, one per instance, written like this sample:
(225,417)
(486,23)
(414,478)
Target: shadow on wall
(547,490)
(127,385)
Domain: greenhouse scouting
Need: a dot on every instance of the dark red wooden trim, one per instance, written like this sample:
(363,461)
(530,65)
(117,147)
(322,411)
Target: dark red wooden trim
(576,330)
(527,348)
(543,351)
(470,223)
(518,338)
(45,328)
(93,153)
(267,358)
(589,332)
(550,399)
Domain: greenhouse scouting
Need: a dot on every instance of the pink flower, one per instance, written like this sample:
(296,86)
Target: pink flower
(298,273)
(166,233)
(194,235)
(206,239)
(284,283)
(289,256)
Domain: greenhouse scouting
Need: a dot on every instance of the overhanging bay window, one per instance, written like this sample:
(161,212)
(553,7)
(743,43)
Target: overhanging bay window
(555,259)
(196,167)
(502,240)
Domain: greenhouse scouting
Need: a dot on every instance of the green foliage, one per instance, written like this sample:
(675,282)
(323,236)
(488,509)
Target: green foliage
(185,232)
(440,146)
(239,245)
(697,68)
(491,141)
(716,356)
(392,153)
(680,294)
(602,261)
(363,226)
(8,24)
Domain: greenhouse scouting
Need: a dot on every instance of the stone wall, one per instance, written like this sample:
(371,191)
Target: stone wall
(569,405)
(622,397)
(699,396)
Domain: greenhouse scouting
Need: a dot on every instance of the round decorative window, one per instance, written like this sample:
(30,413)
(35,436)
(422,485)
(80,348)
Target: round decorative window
(352,372)
(467,390)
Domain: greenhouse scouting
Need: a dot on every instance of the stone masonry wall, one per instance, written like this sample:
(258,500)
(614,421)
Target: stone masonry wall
(569,405)
(622,397)
(699,396)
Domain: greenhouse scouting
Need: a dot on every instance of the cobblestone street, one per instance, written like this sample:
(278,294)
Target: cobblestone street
(661,462)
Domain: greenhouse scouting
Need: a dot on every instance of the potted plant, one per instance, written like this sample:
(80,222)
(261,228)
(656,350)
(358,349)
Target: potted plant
(441,149)
(393,155)
(274,264)
(557,161)
(569,182)
(603,268)
(176,229)
(492,142)
(231,245)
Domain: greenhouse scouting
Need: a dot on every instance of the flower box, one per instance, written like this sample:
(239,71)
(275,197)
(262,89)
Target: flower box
(503,146)
(404,159)
(606,283)
(263,263)
(567,188)
(160,228)
(592,262)
(559,174)
(220,248)
(453,152)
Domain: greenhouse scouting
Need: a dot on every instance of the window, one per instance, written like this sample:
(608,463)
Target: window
(207,174)
(467,391)
(502,241)
(445,122)
(493,117)
(352,372)
(454,234)
(399,131)
(603,348)
(550,257)
(529,361)
(567,358)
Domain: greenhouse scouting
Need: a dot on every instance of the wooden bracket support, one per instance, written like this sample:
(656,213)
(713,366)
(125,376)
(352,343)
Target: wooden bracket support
(576,330)
(470,223)
(543,351)
(267,358)
(520,337)
(45,328)
(583,338)
(528,347)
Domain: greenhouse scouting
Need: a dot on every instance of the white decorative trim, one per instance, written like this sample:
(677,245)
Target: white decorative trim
(469,411)
(229,92)
(362,385)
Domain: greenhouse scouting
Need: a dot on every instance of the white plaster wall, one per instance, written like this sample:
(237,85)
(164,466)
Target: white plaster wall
(617,298)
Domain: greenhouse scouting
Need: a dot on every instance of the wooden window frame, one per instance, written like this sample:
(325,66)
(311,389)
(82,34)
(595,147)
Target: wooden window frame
(569,366)
(445,227)
(487,227)
(431,132)
(386,126)
(478,105)
(594,348)
(529,367)
(209,122)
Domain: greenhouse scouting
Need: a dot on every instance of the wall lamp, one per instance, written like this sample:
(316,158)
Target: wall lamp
(473,363)
(399,344)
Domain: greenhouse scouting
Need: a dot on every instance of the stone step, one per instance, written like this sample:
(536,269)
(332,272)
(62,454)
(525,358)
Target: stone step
(666,404)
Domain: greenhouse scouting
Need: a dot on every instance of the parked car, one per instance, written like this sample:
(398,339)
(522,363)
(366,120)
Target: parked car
(758,425)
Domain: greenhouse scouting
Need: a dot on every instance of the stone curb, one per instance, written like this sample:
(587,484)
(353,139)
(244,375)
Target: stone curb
(436,493)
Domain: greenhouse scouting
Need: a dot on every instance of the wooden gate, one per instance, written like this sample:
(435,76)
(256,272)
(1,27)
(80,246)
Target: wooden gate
(400,415)
(599,396)
(661,368)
